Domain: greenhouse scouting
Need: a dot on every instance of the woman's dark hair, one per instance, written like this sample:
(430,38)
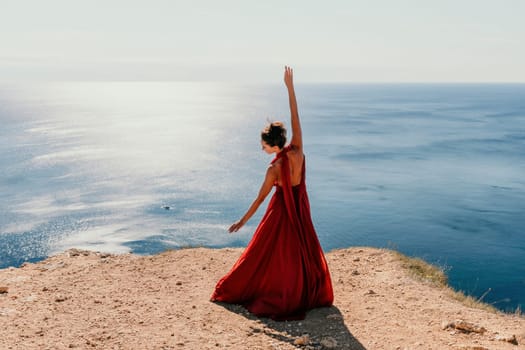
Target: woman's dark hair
(274,134)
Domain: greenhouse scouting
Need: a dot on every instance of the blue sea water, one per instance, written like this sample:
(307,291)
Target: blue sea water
(432,170)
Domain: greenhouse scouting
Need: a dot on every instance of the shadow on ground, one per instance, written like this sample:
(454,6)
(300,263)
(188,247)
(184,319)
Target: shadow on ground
(322,325)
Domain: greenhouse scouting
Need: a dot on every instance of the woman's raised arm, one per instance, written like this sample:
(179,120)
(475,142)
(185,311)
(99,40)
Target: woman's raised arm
(297,136)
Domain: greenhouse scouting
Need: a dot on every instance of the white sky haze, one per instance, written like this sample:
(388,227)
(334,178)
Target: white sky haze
(229,40)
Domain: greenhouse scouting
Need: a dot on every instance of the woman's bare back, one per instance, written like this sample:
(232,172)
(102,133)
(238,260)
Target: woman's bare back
(295,162)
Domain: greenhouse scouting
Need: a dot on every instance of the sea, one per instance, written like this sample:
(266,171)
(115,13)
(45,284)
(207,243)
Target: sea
(435,171)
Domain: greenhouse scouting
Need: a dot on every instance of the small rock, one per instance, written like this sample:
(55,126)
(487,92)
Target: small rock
(179,283)
(4,290)
(464,326)
(355,273)
(357,259)
(73,252)
(302,340)
(60,298)
(329,342)
(508,338)
(370,292)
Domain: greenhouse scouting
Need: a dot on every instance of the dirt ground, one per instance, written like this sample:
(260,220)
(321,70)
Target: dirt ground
(88,300)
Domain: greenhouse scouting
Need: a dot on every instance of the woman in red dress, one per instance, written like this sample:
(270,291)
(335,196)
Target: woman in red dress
(283,271)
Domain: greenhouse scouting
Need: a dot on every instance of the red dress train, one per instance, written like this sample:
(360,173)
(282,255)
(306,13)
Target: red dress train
(283,272)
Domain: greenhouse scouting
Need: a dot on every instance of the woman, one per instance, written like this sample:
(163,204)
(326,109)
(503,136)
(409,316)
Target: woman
(283,271)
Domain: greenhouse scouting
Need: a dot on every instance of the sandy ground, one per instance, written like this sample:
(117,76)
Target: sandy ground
(87,300)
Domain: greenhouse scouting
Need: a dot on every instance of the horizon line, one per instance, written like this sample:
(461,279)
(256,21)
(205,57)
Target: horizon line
(258,82)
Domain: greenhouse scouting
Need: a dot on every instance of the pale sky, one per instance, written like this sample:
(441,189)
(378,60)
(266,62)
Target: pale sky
(234,40)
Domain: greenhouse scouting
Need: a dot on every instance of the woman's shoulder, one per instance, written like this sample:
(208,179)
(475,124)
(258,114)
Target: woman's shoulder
(274,169)
(275,164)
(294,151)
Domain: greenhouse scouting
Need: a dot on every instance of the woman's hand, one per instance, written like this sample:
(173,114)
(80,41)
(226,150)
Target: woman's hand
(236,226)
(288,77)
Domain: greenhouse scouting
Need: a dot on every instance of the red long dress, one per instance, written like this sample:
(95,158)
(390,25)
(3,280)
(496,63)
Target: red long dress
(283,272)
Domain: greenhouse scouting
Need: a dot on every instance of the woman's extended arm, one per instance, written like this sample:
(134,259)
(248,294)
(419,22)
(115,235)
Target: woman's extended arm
(297,136)
(266,187)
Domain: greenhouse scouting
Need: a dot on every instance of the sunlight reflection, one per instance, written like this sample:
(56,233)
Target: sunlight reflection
(122,149)
(145,127)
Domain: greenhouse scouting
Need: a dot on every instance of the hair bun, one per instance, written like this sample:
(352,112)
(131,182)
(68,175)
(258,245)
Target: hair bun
(274,134)
(277,128)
